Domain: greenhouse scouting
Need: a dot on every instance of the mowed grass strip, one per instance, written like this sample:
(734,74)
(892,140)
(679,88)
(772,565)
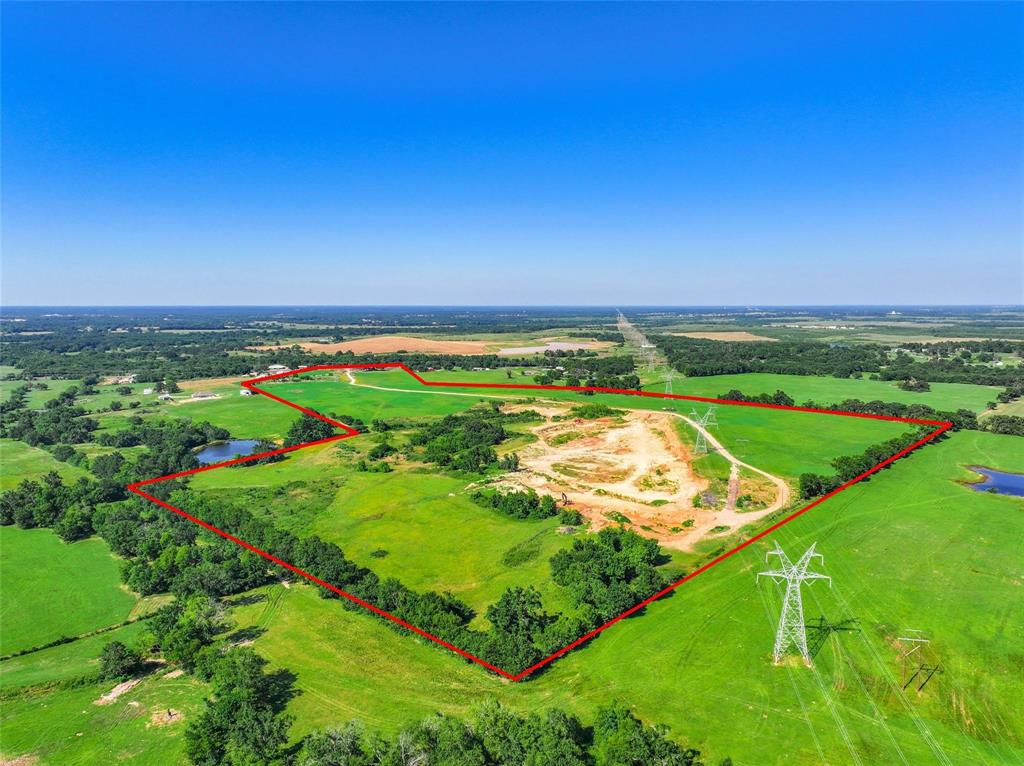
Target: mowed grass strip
(53,589)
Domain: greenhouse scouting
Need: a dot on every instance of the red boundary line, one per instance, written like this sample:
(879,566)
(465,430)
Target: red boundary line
(941,427)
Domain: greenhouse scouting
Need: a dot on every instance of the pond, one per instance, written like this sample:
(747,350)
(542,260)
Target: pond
(221,451)
(1001,482)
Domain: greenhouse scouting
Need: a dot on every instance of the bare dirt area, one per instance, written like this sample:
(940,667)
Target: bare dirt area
(205,383)
(21,760)
(165,717)
(632,469)
(388,344)
(117,691)
(733,336)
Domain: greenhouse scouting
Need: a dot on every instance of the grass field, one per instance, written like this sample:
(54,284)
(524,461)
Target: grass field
(20,461)
(435,538)
(911,548)
(63,727)
(53,589)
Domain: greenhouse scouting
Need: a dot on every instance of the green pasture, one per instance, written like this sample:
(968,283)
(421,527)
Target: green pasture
(803,388)
(911,548)
(53,589)
(37,398)
(62,726)
(434,536)
(19,461)
(65,661)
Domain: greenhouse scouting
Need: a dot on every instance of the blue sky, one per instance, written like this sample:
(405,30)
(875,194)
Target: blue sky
(512,154)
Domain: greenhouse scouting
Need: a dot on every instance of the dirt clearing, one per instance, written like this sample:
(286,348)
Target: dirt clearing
(389,344)
(634,469)
(117,691)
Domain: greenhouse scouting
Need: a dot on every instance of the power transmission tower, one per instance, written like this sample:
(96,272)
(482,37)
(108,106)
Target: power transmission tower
(668,380)
(705,421)
(792,631)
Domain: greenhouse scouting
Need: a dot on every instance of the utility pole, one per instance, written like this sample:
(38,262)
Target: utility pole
(791,630)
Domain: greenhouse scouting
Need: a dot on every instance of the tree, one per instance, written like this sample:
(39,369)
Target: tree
(621,739)
(118,661)
(74,524)
(335,747)
(242,724)
(307,429)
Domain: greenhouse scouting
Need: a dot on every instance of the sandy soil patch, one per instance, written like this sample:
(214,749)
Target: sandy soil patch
(734,336)
(117,691)
(174,674)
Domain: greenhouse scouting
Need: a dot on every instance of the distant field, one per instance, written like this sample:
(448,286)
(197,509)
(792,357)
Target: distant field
(827,390)
(53,589)
(910,548)
(37,397)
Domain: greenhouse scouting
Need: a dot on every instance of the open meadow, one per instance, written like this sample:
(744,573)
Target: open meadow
(905,549)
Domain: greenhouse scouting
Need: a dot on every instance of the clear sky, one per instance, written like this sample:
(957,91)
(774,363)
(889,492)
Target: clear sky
(512,154)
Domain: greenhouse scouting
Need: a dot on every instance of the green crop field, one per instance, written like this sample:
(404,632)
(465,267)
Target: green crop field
(820,389)
(911,548)
(53,589)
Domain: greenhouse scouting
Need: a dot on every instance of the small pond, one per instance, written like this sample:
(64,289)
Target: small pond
(221,451)
(1002,482)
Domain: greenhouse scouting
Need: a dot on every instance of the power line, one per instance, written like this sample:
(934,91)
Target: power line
(792,631)
(703,423)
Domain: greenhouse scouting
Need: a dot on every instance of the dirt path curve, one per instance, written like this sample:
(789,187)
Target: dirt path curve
(729,517)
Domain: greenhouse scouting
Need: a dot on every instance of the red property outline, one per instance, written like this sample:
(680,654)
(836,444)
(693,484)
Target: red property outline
(941,427)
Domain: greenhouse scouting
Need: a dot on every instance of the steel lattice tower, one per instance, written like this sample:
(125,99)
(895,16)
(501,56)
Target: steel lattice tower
(668,380)
(704,422)
(792,631)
